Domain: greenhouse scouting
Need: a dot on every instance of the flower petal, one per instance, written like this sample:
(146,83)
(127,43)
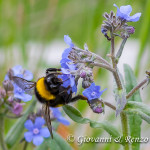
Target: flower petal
(68,40)
(126,9)
(28,136)
(27,75)
(39,122)
(17,69)
(74,89)
(6,77)
(63,121)
(29,125)
(65,71)
(24,97)
(135,17)
(66,52)
(44,132)
(37,140)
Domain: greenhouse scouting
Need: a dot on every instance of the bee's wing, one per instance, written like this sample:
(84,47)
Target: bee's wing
(27,86)
(46,112)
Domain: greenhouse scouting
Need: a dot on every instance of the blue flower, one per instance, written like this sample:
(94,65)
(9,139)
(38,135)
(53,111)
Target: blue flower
(18,92)
(68,80)
(93,92)
(65,61)
(67,64)
(57,114)
(35,131)
(20,72)
(124,13)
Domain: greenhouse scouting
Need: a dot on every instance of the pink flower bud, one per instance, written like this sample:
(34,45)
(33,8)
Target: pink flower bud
(17,108)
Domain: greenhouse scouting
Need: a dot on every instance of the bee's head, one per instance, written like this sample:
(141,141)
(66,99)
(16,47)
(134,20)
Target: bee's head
(53,82)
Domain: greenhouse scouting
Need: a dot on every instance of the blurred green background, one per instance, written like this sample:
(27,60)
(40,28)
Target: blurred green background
(31,34)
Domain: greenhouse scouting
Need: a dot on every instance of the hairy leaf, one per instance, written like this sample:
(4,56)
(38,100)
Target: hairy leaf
(17,129)
(134,120)
(76,116)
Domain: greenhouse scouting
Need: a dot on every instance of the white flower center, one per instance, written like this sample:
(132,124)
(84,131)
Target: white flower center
(19,90)
(36,131)
(93,93)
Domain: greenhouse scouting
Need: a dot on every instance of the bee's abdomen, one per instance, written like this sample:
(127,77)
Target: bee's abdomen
(41,92)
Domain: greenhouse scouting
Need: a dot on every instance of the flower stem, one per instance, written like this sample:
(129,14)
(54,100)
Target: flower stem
(136,88)
(2,142)
(115,74)
(119,85)
(101,65)
(110,105)
(25,145)
(124,122)
(119,53)
(88,53)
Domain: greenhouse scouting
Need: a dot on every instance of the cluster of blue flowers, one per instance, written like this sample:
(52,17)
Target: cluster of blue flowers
(70,76)
(67,66)
(25,74)
(36,132)
(117,24)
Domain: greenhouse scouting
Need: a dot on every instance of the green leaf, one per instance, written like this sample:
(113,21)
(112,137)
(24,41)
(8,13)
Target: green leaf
(16,130)
(130,83)
(138,113)
(76,116)
(57,143)
(135,121)
(138,105)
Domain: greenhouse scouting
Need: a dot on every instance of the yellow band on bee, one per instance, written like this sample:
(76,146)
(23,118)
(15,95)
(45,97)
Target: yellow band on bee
(59,105)
(44,93)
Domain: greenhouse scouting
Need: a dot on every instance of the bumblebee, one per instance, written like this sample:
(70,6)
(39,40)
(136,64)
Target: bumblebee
(49,91)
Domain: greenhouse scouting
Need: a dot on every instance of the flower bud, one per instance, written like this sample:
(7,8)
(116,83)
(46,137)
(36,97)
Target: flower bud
(85,84)
(96,105)
(17,108)
(130,29)
(10,74)
(8,86)
(91,79)
(83,74)
(2,93)
(10,99)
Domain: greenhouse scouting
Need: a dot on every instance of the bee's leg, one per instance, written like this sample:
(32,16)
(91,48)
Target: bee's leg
(81,97)
(65,90)
(52,70)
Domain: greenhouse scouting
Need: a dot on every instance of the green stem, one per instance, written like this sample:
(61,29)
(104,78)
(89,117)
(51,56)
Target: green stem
(115,74)
(119,53)
(124,123)
(2,142)
(25,146)
(119,85)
